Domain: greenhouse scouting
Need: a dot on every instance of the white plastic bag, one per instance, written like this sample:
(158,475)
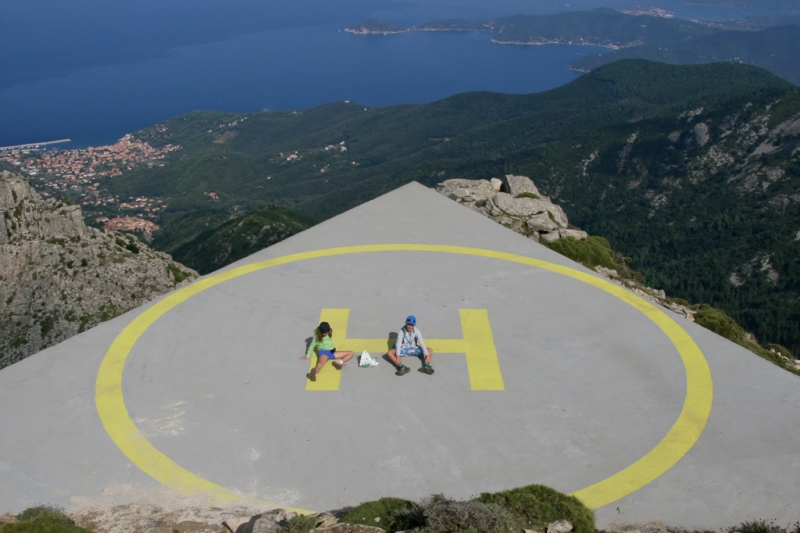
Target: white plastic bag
(365,360)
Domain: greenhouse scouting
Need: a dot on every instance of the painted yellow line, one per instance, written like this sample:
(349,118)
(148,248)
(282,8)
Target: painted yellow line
(330,379)
(678,441)
(483,365)
(482,361)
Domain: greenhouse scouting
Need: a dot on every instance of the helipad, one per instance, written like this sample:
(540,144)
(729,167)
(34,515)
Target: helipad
(545,373)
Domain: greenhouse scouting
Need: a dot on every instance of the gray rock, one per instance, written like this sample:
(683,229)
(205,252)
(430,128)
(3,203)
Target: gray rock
(607,272)
(541,222)
(59,277)
(574,233)
(497,184)
(560,526)
(549,237)
(701,133)
(459,194)
(325,520)
(273,521)
(520,184)
(519,207)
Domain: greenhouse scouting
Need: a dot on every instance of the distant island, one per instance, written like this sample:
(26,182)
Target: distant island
(641,32)
(375,27)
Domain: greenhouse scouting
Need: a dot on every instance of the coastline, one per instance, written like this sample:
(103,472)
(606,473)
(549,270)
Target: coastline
(531,43)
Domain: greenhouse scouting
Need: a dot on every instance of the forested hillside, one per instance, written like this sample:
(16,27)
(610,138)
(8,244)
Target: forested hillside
(690,170)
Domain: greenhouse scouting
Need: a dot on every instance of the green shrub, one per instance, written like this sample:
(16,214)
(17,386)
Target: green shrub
(177,274)
(527,195)
(384,509)
(52,511)
(780,350)
(42,524)
(42,519)
(301,523)
(757,526)
(536,506)
(719,322)
(591,251)
(469,517)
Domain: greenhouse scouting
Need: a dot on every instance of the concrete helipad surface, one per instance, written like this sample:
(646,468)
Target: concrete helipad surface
(545,373)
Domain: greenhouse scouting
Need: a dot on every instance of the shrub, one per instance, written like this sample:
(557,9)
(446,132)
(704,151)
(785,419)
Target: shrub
(43,524)
(757,526)
(42,519)
(535,506)
(527,195)
(469,517)
(301,523)
(719,322)
(780,350)
(591,251)
(52,511)
(385,509)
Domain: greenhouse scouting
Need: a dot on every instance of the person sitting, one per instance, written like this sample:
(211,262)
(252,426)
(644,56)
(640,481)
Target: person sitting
(323,343)
(409,342)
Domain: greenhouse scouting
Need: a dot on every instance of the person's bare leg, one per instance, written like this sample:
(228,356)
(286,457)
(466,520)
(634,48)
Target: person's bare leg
(393,357)
(321,360)
(341,358)
(430,357)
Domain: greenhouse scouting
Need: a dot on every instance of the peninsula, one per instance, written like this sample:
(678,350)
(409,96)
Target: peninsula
(644,33)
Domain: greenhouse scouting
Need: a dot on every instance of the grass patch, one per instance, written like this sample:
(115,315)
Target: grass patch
(762,526)
(590,252)
(719,322)
(527,195)
(301,523)
(177,274)
(536,506)
(387,511)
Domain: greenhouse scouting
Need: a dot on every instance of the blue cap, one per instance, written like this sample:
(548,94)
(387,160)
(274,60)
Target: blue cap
(412,320)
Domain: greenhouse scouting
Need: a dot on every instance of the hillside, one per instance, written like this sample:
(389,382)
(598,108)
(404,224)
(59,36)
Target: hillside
(239,237)
(60,277)
(775,49)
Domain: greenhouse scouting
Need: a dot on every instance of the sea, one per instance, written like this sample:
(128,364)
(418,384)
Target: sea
(94,70)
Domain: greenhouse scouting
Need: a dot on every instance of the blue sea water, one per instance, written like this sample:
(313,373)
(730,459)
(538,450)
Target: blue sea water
(94,70)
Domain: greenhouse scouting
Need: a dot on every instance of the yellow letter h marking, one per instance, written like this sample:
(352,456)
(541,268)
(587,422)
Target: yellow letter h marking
(478,346)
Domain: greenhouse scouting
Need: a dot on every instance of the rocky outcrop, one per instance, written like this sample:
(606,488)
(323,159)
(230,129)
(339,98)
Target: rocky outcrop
(59,277)
(515,203)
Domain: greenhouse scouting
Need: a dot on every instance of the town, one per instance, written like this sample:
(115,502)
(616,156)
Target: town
(78,174)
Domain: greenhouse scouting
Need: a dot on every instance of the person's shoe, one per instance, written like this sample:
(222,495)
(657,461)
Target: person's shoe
(312,375)
(337,364)
(428,369)
(402,369)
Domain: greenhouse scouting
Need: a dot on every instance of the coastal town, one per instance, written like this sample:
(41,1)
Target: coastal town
(79,174)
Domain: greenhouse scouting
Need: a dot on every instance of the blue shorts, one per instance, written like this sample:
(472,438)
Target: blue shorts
(329,353)
(409,350)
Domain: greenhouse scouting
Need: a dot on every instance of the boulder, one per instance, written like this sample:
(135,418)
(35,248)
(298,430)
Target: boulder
(520,184)
(541,222)
(549,237)
(326,520)
(560,526)
(273,521)
(518,207)
(497,184)
(574,233)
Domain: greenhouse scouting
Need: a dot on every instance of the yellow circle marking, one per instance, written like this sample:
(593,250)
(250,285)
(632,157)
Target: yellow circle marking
(677,442)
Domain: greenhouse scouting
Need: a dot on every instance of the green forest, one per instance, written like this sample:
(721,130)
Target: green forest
(692,171)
